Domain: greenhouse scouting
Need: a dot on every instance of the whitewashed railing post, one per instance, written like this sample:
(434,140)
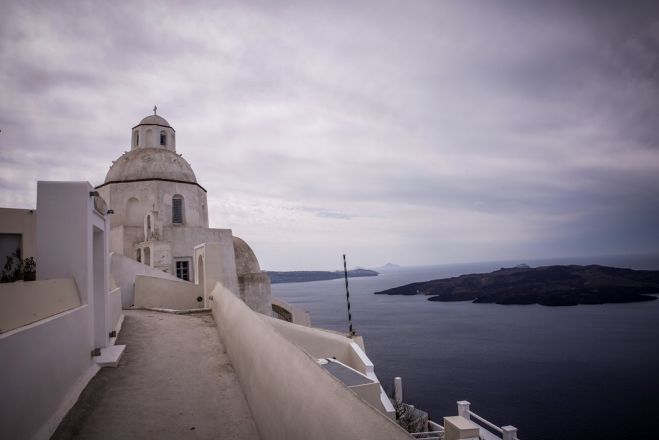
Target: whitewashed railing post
(463,409)
(398,390)
(509,432)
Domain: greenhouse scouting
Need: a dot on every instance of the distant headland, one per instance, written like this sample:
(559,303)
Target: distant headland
(302,276)
(547,285)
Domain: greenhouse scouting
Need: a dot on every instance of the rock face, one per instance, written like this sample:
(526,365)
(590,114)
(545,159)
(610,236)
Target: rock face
(547,285)
(302,276)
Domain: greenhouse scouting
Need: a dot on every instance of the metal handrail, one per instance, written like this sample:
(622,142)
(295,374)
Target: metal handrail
(487,422)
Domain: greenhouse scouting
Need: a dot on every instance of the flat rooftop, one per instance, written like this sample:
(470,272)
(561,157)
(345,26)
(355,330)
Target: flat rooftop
(174,381)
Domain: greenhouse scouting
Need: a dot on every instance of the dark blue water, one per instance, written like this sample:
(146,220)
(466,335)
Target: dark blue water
(553,372)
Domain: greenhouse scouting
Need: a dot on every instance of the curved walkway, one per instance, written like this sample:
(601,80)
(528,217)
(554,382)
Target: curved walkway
(174,381)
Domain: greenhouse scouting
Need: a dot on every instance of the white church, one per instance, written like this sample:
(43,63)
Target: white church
(160,213)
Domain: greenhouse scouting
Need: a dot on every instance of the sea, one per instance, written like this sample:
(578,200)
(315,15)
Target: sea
(578,372)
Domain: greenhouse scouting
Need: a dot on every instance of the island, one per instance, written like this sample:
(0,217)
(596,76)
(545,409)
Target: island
(546,285)
(302,276)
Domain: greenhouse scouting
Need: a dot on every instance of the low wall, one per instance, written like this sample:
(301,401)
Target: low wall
(289,395)
(25,302)
(44,368)
(167,294)
(124,270)
(114,309)
(298,315)
(319,343)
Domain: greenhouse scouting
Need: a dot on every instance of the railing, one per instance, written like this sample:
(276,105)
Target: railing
(507,432)
(488,430)
(281,313)
(430,435)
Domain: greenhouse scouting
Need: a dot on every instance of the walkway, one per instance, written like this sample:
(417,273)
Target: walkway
(174,382)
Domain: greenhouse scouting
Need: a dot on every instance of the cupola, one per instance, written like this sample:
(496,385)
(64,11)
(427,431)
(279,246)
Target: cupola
(153,131)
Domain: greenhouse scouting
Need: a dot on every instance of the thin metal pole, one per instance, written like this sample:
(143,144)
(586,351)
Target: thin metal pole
(345,273)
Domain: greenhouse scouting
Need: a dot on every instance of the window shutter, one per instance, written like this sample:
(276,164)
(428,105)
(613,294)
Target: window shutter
(177,210)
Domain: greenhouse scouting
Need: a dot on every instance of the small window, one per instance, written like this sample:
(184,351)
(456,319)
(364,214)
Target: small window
(183,270)
(136,138)
(163,138)
(177,209)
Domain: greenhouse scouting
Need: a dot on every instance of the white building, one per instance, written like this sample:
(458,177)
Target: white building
(161,214)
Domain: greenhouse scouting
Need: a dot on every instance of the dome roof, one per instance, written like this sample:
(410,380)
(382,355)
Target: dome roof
(154,120)
(150,163)
(246,261)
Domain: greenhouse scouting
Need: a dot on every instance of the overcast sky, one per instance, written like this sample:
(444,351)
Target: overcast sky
(406,131)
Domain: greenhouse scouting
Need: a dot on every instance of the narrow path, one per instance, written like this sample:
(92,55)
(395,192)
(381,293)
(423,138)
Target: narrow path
(174,382)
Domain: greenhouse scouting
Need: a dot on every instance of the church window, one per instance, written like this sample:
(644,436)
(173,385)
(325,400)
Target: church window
(177,209)
(163,138)
(136,138)
(183,270)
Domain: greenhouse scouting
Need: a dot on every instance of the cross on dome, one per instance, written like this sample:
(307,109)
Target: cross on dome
(155,108)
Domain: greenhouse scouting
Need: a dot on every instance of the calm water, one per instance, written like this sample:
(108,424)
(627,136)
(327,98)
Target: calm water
(587,372)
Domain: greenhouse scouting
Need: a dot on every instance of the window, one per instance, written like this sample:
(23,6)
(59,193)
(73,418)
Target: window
(183,270)
(136,138)
(163,138)
(177,209)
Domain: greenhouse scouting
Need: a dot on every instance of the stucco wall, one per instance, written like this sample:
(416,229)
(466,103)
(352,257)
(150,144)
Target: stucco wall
(322,343)
(44,366)
(290,396)
(167,294)
(124,270)
(114,309)
(155,195)
(22,303)
(24,222)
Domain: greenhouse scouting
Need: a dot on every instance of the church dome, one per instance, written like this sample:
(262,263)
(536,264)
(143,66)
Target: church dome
(154,120)
(150,163)
(246,261)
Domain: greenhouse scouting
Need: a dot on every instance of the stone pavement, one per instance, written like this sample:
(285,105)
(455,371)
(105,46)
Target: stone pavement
(174,382)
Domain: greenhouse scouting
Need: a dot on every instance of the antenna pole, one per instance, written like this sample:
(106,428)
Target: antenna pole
(345,273)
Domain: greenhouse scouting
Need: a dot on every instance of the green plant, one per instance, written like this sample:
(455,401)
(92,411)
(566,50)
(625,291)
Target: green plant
(17,269)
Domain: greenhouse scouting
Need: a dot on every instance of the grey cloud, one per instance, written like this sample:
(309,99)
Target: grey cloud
(541,114)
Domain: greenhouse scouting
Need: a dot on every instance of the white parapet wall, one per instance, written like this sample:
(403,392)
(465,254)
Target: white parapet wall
(25,302)
(124,270)
(163,293)
(350,351)
(44,366)
(114,309)
(291,397)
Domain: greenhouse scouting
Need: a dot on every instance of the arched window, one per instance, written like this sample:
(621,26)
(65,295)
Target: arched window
(177,209)
(136,138)
(163,138)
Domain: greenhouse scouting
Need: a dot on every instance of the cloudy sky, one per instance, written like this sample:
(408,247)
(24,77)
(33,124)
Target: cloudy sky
(406,131)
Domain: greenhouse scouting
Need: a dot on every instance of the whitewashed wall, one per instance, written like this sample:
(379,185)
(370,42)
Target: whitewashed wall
(44,368)
(289,395)
(151,292)
(26,302)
